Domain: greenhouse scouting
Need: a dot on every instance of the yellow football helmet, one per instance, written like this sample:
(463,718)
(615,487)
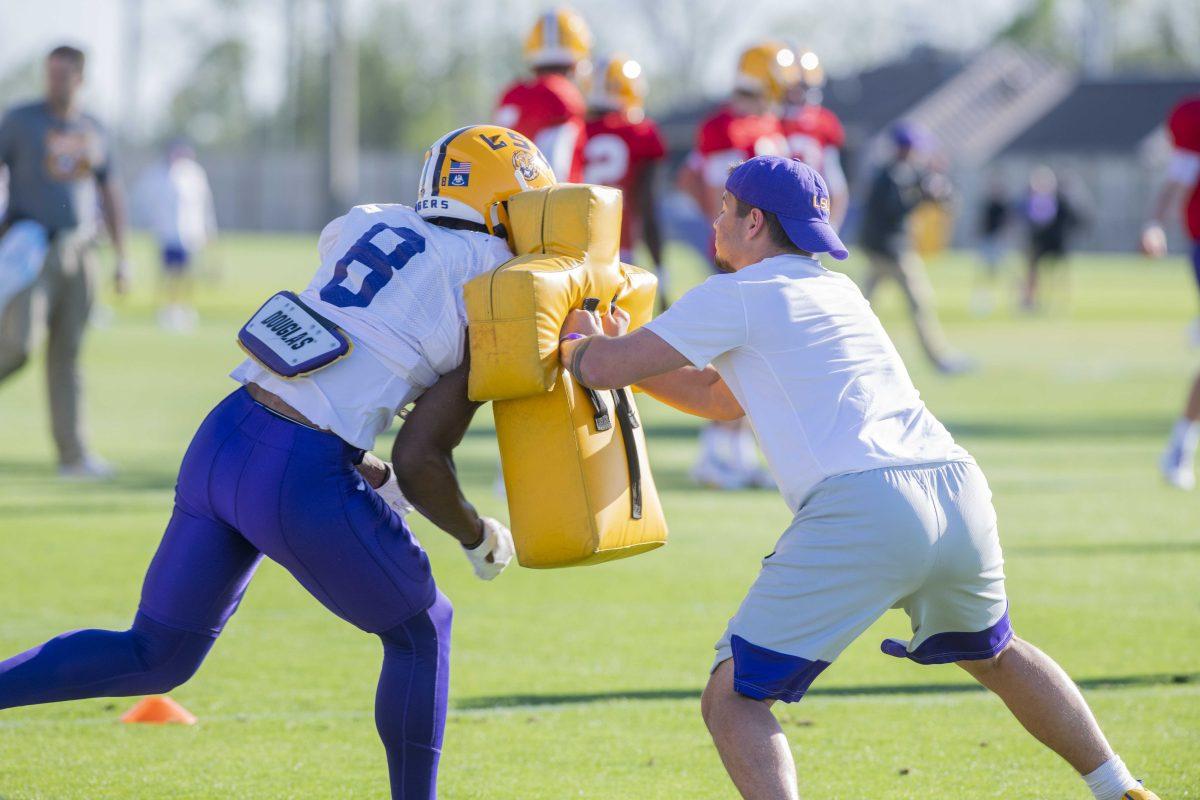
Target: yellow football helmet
(559,38)
(616,84)
(470,173)
(768,69)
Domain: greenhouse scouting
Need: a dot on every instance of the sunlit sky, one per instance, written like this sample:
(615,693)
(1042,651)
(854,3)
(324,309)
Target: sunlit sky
(846,34)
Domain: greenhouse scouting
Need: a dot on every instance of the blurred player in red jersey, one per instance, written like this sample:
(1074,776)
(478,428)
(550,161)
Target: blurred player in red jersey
(1183,178)
(747,125)
(814,133)
(623,150)
(549,107)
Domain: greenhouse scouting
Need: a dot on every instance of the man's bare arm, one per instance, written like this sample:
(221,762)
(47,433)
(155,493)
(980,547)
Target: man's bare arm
(373,469)
(423,456)
(601,362)
(699,392)
(113,207)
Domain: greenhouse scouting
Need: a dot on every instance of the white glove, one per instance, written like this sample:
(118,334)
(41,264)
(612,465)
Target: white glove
(497,543)
(391,494)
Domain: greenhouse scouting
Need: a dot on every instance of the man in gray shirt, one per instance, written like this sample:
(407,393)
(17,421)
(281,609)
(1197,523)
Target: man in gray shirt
(60,175)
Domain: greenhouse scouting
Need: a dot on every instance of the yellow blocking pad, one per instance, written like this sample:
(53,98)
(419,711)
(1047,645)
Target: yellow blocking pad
(570,456)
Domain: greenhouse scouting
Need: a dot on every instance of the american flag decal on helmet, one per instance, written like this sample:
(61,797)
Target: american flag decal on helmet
(459,173)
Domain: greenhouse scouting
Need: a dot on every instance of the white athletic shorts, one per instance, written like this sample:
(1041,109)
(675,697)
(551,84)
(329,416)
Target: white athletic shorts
(922,538)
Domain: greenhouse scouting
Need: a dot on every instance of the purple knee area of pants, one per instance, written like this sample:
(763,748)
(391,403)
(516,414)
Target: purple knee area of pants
(946,648)
(763,674)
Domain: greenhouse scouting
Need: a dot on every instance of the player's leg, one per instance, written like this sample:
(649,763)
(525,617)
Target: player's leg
(307,508)
(960,615)
(914,283)
(750,741)
(851,553)
(412,698)
(1045,701)
(1178,460)
(193,585)
(67,320)
(879,266)
(1029,288)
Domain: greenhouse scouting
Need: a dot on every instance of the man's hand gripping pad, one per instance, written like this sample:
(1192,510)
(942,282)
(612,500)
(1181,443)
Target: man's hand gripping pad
(575,467)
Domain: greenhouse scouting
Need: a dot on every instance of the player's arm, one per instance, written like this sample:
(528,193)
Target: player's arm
(112,204)
(688,180)
(423,456)
(1182,173)
(839,188)
(612,361)
(699,392)
(557,143)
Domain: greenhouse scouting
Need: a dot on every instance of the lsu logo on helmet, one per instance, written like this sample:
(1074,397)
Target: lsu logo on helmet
(470,173)
(560,38)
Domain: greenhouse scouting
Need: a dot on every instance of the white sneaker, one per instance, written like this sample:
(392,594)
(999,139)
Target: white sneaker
(88,468)
(1177,467)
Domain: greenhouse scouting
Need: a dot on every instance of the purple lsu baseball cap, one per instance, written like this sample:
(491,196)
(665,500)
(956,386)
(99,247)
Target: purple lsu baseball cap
(794,192)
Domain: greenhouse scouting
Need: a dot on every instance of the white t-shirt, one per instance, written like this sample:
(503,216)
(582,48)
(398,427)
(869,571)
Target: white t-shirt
(819,379)
(178,202)
(393,282)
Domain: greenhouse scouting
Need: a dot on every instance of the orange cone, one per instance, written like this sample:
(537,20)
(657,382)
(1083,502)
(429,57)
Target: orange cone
(157,710)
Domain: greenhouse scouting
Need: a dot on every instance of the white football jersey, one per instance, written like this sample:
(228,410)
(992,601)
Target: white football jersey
(393,283)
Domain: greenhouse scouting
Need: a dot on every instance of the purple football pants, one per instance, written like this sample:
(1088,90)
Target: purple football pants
(1196,262)
(253,483)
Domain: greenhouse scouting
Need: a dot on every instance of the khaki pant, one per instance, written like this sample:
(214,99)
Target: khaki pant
(909,273)
(56,306)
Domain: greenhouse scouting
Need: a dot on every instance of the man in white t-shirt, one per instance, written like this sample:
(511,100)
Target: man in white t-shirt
(889,511)
(178,203)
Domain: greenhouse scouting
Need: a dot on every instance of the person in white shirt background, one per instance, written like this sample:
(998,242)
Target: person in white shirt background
(177,202)
(889,510)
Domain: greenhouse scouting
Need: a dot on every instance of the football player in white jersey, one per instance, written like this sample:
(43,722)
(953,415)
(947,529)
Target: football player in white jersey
(281,467)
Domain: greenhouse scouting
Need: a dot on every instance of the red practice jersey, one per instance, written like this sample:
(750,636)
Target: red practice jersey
(1184,125)
(549,110)
(617,152)
(725,138)
(810,129)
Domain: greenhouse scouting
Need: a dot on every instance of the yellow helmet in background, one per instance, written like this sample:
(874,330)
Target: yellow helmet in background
(616,84)
(560,38)
(768,69)
(470,173)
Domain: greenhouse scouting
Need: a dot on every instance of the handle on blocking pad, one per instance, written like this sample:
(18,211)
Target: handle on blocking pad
(600,413)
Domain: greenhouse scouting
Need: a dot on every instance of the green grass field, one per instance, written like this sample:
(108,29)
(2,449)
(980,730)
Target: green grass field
(585,683)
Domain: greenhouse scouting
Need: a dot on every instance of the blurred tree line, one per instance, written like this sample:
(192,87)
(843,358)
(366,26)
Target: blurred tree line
(425,66)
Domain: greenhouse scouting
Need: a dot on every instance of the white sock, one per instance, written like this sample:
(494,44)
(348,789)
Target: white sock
(1187,434)
(1110,780)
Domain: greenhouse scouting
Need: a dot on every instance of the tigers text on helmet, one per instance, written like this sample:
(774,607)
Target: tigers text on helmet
(616,84)
(767,69)
(470,173)
(560,38)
